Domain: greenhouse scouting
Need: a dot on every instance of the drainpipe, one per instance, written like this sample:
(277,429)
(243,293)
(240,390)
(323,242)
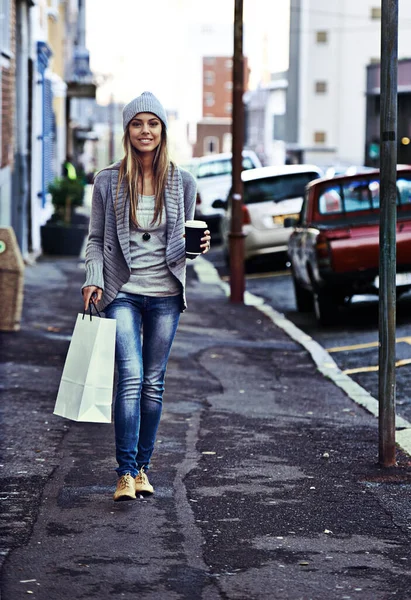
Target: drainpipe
(43,55)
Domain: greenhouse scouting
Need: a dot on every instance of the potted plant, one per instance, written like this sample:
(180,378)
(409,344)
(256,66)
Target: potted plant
(65,231)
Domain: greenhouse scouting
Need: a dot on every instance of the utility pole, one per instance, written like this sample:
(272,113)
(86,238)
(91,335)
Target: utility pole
(388,222)
(236,235)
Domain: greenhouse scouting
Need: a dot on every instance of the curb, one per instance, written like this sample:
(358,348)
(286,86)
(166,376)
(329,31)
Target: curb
(208,274)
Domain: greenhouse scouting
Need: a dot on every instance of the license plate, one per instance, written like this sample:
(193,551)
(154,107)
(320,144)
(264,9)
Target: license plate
(400,279)
(279,219)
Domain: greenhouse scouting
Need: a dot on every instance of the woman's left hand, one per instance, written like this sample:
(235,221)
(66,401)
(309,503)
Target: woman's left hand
(206,241)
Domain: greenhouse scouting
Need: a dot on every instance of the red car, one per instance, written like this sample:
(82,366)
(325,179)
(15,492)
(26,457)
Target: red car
(334,248)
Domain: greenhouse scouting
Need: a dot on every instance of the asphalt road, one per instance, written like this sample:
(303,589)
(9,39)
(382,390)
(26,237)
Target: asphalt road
(353,341)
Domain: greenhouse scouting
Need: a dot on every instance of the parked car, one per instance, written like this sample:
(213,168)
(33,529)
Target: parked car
(213,175)
(334,248)
(270,195)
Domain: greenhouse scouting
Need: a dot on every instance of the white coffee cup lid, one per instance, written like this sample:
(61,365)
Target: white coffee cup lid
(198,224)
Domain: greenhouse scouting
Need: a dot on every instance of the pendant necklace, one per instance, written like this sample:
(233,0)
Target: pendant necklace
(146,235)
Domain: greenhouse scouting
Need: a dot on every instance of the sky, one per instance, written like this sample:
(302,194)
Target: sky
(156,45)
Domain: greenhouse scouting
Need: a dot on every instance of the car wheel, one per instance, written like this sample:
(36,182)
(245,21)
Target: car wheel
(303,298)
(325,307)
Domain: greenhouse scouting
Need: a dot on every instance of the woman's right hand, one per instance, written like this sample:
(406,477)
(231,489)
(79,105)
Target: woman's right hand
(91,291)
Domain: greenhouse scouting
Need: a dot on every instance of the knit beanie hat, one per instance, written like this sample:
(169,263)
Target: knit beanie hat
(147,102)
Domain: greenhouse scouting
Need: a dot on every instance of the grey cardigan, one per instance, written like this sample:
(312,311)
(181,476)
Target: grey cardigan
(108,264)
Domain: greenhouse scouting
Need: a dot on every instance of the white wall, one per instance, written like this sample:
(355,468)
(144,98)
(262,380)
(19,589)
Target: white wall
(354,38)
(274,150)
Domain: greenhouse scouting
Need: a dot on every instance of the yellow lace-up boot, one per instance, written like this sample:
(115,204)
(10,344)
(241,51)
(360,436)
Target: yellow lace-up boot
(125,488)
(142,484)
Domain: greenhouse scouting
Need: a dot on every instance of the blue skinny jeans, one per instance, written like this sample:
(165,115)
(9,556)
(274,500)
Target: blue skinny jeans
(146,326)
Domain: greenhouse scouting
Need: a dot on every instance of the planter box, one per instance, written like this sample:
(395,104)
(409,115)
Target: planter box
(61,240)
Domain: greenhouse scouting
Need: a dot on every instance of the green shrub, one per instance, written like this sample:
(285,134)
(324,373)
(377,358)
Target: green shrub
(65,195)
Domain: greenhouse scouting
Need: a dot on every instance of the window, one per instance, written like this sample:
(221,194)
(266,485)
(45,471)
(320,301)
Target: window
(375,12)
(209,78)
(279,125)
(277,188)
(227,142)
(228,107)
(213,168)
(320,137)
(322,37)
(228,85)
(359,195)
(209,99)
(210,146)
(229,64)
(320,87)
(5,38)
(209,61)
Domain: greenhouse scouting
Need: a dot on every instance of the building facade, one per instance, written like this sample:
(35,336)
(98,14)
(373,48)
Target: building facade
(214,129)
(265,121)
(331,44)
(7,105)
(372,135)
(37,40)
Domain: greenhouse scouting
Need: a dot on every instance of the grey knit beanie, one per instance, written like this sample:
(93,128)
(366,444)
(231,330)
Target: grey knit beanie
(147,102)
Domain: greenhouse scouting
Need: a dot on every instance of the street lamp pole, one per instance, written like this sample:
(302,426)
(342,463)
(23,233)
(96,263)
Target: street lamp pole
(388,222)
(236,235)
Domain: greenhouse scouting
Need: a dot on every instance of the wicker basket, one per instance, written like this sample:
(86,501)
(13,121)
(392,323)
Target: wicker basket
(11,281)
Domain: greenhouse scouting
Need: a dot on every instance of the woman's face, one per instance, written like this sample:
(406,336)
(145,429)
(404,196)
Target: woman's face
(145,132)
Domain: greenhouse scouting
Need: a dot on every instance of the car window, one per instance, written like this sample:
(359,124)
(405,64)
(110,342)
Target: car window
(247,163)
(192,168)
(359,195)
(277,188)
(404,190)
(214,168)
(221,167)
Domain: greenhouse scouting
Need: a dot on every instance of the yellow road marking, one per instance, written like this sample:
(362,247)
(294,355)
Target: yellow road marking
(407,340)
(399,363)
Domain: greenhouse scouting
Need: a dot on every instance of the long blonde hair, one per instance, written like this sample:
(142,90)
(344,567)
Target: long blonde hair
(131,170)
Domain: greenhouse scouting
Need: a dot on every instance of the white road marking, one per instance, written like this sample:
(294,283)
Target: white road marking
(207,273)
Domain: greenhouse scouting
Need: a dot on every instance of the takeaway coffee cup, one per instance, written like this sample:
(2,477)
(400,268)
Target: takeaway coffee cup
(194,233)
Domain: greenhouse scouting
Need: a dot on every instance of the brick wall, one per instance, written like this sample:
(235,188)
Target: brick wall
(213,130)
(8,97)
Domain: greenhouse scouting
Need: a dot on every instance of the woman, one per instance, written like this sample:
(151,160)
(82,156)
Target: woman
(135,271)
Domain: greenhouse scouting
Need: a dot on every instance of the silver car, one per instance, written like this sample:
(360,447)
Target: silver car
(213,175)
(270,195)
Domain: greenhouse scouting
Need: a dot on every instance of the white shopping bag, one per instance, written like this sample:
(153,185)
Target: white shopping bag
(86,387)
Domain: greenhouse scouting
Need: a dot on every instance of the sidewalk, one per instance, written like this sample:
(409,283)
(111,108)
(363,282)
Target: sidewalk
(265,472)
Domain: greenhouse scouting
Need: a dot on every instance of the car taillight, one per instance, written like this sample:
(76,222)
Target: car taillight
(322,249)
(246,216)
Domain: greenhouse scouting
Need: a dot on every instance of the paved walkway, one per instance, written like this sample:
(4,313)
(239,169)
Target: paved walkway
(266,476)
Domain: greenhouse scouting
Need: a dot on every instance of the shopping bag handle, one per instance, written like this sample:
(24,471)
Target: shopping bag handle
(90,304)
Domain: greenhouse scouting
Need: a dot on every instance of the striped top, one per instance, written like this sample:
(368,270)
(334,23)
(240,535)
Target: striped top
(108,259)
